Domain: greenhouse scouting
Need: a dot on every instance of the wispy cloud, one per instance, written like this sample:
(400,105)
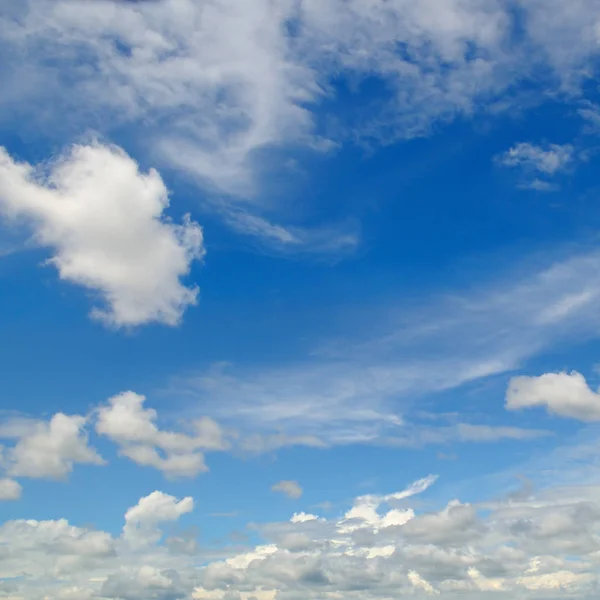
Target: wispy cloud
(539,164)
(221,91)
(363,389)
(292,489)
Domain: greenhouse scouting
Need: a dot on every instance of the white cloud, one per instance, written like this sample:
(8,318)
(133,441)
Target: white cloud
(48,450)
(10,489)
(516,547)
(221,89)
(563,394)
(103,220)
(539,164)
(141,520)
(126,422)
(420,583)
(363,388)
(365,513)
(417,487)
(337,240)
(291,489)
(544,159)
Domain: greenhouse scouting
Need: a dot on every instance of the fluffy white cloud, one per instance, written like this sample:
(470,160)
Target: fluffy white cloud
(103,220)
(65,562)
(48,450)
(126,422)
(141,520)
(10,489)
(365,511)
(156,508)
(530,549)
(291,489)
(563,394)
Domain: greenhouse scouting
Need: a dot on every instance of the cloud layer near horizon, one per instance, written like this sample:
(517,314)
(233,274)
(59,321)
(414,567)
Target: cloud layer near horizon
(541,545)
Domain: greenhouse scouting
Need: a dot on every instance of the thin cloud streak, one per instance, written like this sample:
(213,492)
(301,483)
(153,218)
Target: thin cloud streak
(363,391)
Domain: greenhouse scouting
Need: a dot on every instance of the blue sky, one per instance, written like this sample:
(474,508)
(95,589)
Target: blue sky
(299,299)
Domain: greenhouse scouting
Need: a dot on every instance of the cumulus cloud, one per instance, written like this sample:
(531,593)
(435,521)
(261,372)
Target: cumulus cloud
(10,489)
(365,511)
(51,449)
(563,394)
(456,524)
(104,222)
(141,520)
(48,450)
(71,562)
(547,542)
(291,489)
(126,422)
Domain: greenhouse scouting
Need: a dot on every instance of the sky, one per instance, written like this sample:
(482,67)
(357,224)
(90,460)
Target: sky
(298,299)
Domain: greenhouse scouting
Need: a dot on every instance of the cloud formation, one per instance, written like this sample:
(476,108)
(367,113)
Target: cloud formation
(363,388)
(541,546)
(126,422)
(47,450)
(539,164)
(562,394)
(10,489)
(222,91)
(291,489)
(104,223)
(547,160)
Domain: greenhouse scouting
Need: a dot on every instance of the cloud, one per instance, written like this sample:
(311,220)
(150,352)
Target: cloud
(142,519)
(457,552)
(10,489)
(417,487)
(521,547)
(457,524)
(291,489)
(562,394)
(590,113)
(222,92)
(547,160)
(335,241)
(126,422)
(539,163)
(363,388)
(420,583)
(365,514)
(48,450)
(104,222)
(51,449)
(145,582)
(70,562)
(224,97)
